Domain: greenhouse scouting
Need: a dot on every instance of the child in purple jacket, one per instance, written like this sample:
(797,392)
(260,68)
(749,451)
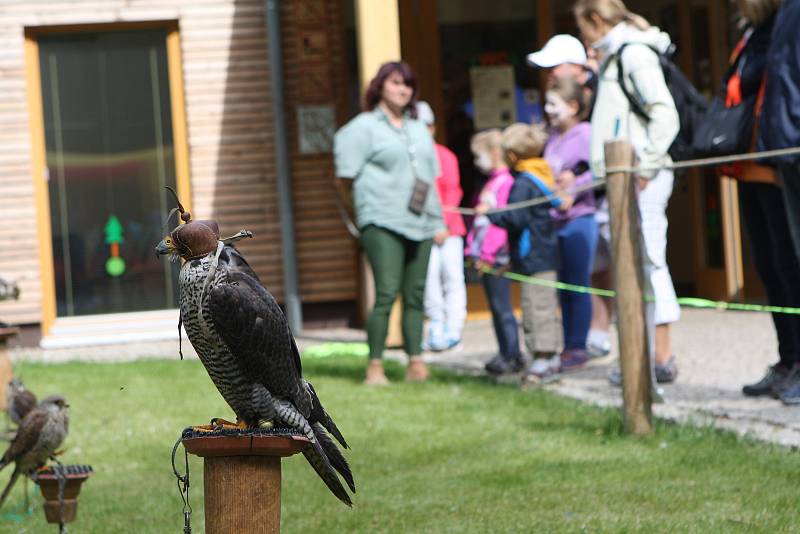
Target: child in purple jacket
(487,246)
(567,152)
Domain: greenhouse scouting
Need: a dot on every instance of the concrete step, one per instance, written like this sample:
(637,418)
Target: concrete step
(111,329)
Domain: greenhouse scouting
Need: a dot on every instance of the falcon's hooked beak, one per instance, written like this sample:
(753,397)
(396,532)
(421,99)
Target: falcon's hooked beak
(166,246)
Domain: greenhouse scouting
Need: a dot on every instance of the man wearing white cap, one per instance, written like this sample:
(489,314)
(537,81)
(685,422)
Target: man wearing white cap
(565,57)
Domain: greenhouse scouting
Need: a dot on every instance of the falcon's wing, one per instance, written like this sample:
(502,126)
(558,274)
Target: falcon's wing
(27,435)
(255,330)
(235,261)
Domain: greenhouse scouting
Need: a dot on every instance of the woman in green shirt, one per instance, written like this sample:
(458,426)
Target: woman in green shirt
(391,160)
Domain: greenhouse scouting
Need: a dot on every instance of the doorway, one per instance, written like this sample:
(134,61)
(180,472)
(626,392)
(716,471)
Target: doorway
(108,139)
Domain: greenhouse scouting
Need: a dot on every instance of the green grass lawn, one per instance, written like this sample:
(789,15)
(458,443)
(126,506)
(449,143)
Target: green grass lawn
(455,455)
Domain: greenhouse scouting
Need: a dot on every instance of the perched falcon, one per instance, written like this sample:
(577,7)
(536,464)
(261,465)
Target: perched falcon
(244,342)
(19,400)
(38,437)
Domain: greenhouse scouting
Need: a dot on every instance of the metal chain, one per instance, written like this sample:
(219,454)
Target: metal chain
(58,470)
(183,488)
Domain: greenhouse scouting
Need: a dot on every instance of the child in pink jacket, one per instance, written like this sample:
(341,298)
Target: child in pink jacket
(487,246)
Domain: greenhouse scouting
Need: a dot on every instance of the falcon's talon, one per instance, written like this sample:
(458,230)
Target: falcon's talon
(265,423)
(220,423)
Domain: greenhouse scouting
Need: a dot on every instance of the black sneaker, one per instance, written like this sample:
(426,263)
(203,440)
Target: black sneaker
(500,365)
(788,391)
(770,384)
(667,372)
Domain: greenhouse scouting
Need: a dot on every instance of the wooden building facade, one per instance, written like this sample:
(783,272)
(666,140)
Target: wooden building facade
(80,126)
(106,101)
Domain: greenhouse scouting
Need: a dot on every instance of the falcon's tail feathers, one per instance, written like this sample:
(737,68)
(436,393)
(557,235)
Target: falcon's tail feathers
(9,486)
(319,414)
(319,461)
(335,456)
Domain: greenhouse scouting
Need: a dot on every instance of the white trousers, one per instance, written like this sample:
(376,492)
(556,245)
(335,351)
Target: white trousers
(445,291)
(653,202)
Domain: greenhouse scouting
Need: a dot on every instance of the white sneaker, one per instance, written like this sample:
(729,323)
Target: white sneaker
(543,370)
(598,350)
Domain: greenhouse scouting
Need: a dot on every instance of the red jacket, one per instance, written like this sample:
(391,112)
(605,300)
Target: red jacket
(449,187)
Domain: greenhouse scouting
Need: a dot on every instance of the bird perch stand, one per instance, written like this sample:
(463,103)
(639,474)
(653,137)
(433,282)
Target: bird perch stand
(6,373)
(66,480)
(242,476)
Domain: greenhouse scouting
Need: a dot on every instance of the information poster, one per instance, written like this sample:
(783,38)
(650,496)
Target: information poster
(493,96)
(316,127)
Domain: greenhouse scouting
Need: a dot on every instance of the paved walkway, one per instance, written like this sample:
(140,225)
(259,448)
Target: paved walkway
(717,353)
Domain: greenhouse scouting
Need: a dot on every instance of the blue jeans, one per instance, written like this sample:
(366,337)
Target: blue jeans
(498,293)
(577,241)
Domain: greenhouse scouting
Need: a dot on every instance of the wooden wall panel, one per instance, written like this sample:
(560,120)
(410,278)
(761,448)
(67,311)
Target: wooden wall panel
(228,115)
(327,255)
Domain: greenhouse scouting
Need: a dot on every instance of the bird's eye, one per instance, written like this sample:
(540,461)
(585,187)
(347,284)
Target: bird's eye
(168,240)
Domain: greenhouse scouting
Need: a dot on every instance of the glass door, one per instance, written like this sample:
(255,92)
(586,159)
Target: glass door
(109,155)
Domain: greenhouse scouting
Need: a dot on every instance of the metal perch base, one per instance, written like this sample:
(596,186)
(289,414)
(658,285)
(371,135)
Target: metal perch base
(65,480)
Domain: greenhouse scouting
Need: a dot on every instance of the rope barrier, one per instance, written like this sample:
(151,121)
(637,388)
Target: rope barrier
(687,302)
(709,162)
(601,181)
(528,203)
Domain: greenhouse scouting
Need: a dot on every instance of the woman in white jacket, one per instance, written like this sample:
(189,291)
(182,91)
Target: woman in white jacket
(607,25)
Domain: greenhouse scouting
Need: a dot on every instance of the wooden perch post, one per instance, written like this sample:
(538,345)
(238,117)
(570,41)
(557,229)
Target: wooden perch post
(242,480)
(629,281)
(6,373)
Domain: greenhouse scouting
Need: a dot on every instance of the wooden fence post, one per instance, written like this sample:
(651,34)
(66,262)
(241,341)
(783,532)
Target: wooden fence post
(6,372)
(629,284)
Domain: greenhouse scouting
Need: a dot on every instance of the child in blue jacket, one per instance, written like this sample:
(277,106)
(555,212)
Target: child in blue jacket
(533,245)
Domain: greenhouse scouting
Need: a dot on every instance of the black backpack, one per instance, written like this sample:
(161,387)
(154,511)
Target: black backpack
(691,105)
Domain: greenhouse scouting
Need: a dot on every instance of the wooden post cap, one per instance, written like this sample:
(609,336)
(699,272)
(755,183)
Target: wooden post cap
(206,441)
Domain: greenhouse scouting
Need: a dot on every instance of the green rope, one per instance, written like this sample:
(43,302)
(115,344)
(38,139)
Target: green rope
(328,350)
(551,283)
(688,302)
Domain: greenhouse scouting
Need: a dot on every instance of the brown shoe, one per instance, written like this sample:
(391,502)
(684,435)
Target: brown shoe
(417,371)
(375,375)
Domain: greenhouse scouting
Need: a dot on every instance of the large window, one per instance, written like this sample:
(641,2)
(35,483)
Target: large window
(108,134)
